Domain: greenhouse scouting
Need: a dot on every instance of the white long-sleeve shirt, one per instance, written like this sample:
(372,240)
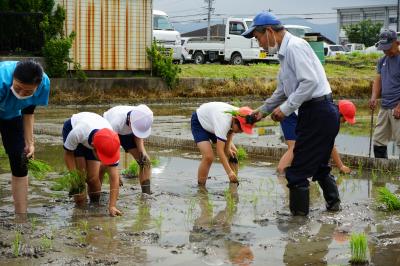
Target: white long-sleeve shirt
(301,76)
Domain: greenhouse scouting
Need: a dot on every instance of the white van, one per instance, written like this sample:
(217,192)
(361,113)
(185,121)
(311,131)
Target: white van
(331,50)
(165,34)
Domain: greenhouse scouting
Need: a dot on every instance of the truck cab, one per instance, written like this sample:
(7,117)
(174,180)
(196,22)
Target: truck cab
(165,34)
(231,47)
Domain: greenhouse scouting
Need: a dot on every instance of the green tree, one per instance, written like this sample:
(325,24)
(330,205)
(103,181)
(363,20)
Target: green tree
(365,32)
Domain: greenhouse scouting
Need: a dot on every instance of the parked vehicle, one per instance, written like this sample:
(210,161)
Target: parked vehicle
(165,34)
(231,47)
(185,52)
(298,30)
(331,50)
(355,47)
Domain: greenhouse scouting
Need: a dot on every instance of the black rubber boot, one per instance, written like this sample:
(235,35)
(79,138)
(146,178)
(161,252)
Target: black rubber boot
(146,187)
(331,193)
(380,152)
(299,201)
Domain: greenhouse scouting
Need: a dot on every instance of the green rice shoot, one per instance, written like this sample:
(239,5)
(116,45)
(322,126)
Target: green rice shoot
(241,154)
(132,170)
(358,247)
(389,199)
(16,243)
(38,168)
(72,181)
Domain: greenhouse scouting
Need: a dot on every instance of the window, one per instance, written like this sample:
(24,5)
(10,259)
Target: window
(392,20)
(236,28)
(161,23)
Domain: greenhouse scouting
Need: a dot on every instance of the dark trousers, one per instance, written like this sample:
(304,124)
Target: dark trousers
(317,127)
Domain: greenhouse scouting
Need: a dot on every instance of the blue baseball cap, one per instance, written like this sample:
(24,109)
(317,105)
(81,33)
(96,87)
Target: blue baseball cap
(386,38)
(261,19)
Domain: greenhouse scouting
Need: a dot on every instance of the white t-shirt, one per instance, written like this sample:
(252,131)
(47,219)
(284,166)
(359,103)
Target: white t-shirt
(213,118)
(82,125)
(116,116)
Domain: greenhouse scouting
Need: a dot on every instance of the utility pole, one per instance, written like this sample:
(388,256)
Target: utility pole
(209,10)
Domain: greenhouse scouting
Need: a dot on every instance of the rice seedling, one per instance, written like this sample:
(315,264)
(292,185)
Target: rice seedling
(254,200)
(17,243)
(46,243)
(158,221)
(230,201)
(374,175)
(106,178)
(358,247)
(389,199)
(72,181)
(142,217)
(38,168)
(84,226)
(190,211)
(33,221)
(132,170)
(241,154)
(155,162)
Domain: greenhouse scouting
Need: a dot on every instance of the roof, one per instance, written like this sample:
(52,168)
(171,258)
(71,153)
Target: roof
(217,30)
(365,6)
(159,12)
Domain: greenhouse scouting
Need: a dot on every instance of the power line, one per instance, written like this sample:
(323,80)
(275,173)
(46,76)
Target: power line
(191,15)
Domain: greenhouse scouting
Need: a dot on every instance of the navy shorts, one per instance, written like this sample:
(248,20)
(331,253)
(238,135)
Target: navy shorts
(127,141)
(12,135)
(288,126)
(199,133)
(81,150)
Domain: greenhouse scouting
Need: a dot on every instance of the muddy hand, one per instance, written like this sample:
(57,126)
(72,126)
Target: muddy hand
(232,177)
(114,211)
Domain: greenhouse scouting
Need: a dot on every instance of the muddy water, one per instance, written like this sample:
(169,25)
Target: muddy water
(180,224)
(180,114)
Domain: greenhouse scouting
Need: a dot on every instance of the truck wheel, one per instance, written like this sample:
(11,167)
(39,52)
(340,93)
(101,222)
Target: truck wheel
(198,58)
(236,59)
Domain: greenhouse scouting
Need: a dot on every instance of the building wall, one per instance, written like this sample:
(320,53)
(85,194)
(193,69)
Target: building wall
(110,34)
(387,15)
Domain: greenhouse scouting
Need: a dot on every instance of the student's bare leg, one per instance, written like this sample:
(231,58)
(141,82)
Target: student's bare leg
(207,158)
(93,180)
(19,187)
(144,168)
(287,157)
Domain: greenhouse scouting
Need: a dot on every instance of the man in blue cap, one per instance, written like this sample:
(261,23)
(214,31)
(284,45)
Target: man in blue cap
(387,85)
(302,85)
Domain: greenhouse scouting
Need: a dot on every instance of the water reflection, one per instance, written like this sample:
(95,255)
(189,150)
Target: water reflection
(211,231)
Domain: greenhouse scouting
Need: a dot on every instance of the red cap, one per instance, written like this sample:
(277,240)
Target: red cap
(106,142)
(348,110)
(243,111)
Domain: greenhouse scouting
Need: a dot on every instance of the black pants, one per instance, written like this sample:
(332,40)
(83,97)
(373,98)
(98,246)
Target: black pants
(317,127)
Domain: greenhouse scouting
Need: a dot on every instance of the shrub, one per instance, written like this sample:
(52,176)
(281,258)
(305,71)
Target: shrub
(162,64)
(56,53)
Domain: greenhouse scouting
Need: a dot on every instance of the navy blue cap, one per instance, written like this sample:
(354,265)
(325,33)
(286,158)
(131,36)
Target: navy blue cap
(386,38)
(261,19)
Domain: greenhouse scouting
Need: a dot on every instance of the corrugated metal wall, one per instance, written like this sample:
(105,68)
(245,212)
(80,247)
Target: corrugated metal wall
(110,34)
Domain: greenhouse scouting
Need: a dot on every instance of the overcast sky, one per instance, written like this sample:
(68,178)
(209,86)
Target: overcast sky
(320,11)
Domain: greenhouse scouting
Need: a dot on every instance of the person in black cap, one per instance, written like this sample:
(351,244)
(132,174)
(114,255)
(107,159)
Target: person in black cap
(387,86)
(302,85)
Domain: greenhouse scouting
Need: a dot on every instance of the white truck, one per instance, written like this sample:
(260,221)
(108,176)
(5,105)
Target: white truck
(232,47)
(165,34)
